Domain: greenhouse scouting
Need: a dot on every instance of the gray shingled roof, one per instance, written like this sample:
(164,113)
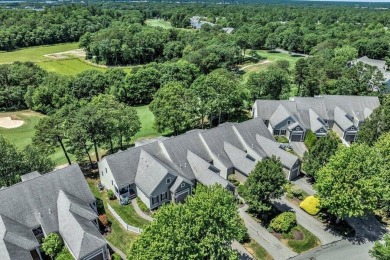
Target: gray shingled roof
(239,158)
(265,108)
(340,117)
(280,114)
(215,138)
(273,148)
(179,180)
(75,226)
(205,172)
(315,121)
(30,176)
(151,172)
(34,202)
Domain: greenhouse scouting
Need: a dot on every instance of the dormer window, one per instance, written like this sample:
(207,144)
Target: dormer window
(182,185)
(38,233)
(168,180)
(288,122)
(321,130)
(298,128)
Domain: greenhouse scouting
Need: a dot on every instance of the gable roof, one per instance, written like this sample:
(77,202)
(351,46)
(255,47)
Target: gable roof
(340,117)
(33,203)
(273,148)
(151,172)
(179,180)
(75,226)
(205,172)
(240,159)
(280,114)
(315,121)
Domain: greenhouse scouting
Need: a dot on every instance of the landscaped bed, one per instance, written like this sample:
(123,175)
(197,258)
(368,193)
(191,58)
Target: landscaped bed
(257,251)
(298,239)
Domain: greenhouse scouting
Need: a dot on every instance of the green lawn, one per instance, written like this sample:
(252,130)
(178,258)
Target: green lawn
(158,23)
(257,251)
(68,66)
(35,54)
(309,241)
(22,135)
(275,56)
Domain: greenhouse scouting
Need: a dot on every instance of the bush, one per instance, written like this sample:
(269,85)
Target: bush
(103,219)
(233,179)
(310,139)
(111,195)
(281,139)
(284,222)
(100,206)
(311,205)
(240,189)
(142,205)
(115,256)
(64,255)
(297,192)
(52,245)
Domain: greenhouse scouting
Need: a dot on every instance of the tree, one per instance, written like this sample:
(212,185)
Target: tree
(383,146)
(264,183)
(202,228)
(173,108)
(36,159)
(269,84)
(52,245)
(320,153)
(49,134)
(11,163)
(127,124)
(353,181)
(301,72)
(381,250)
(377,124)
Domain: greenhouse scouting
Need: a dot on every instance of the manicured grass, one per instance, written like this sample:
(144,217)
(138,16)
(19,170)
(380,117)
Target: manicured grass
(128,214)
(68,66)
(309,241)
(147,123)
(119,236)
(158,23)
(35,54)
(22,136)
(257,251)
(275,56)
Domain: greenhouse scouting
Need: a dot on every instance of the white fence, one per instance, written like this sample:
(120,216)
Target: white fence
(128,227)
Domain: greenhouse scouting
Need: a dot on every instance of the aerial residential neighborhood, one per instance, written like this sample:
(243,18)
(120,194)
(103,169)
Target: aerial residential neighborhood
(194,130)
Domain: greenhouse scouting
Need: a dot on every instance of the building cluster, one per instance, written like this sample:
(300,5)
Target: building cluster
(57,202)
(293,118)
(167,170)
(197,22)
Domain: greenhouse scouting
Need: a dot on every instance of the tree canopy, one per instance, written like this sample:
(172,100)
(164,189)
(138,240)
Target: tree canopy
(202,228)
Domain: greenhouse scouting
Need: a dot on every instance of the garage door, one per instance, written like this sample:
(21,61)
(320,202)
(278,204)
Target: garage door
(182,195)
(349,138)
(296,137)
(294,173)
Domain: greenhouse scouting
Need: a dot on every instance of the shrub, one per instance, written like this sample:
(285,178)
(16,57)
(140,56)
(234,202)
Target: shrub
(115,256)
(240,189)
(142,205)
(233,179)
(99,206)
(284,222)
(310,139)
(111,195)
(52,245)
(297,192)
(311,205)
(281,139)
(103,219)
(64,255)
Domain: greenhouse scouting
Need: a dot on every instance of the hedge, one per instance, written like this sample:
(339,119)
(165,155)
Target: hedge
(311,205)
(310,139)
(284,222)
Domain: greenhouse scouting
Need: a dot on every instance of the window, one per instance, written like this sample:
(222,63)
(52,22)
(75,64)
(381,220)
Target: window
(168,180)
(276,132)
(321,130)
(106,170)
(155,200)
(282,132)
(112,182)
(164,196)
(102,173)
(38,233)
(288,122)
(298,128)
(182,185)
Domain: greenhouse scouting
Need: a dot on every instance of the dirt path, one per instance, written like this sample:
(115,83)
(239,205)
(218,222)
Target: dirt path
(256,64)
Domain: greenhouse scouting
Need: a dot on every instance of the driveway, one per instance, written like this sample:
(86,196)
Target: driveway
(302,183)
(274,247)
(299,148)
(317,228)
(244,254)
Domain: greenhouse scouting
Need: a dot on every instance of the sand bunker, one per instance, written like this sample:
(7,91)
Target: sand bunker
(8,122)
(78,53)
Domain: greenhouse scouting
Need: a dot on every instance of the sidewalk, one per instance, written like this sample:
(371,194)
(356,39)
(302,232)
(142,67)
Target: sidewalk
(244,254)
(315,227)
(139,211)
(271,244)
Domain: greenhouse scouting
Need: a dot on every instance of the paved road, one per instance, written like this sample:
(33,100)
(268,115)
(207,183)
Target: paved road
(317,228)
(341,250)
(139,211)
(299,148)
(270,243)
(302,183)
(244,254)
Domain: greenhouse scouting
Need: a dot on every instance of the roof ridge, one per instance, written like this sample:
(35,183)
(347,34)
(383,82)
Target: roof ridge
(42,175)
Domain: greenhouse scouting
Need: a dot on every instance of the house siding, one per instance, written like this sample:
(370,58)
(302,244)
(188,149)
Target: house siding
(338,130)
(145,199)
(106,178)
(160,189)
